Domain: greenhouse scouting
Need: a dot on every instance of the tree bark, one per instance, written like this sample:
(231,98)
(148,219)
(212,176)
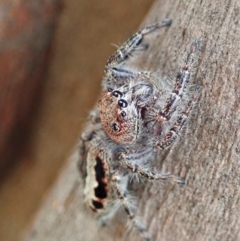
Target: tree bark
(207,155)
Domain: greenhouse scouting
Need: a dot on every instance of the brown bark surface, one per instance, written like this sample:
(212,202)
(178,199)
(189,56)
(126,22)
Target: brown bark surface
(207,155)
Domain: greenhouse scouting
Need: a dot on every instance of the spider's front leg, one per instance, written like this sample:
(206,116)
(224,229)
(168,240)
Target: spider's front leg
(182,80)
(168,139)
(175,98)
(113,69)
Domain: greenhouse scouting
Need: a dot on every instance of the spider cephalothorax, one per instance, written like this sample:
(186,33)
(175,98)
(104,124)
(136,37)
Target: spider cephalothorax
(123,110)
(120,120)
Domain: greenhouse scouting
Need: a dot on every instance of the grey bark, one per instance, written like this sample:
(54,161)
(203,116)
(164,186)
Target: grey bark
(207,155)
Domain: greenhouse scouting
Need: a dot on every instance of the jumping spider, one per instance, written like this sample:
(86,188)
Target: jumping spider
(131,120)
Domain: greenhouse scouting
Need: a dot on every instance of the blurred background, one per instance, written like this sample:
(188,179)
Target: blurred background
(52,56)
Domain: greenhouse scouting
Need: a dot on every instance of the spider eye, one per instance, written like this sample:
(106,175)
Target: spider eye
(122,103)
(110,89)
(123,114)
(117,93)
(115,127)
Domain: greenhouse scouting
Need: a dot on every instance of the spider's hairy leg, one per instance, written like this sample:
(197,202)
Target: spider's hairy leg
(150,175)
(113,69)
(116,178)
(172,134)
(133,43)
(182,80)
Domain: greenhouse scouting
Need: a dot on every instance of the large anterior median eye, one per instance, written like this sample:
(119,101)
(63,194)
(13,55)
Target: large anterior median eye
(122,103)
(117,93)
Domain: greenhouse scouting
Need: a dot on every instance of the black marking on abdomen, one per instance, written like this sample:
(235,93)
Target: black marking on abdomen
(97,205)
(101,190)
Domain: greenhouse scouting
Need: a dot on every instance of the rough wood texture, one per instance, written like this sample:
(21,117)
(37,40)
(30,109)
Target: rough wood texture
(207,155)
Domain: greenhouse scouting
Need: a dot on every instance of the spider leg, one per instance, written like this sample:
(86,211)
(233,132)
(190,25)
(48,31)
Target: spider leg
(172,134)
(116,178)
(182,80)
(133,43)
(113,70)
(150,175)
